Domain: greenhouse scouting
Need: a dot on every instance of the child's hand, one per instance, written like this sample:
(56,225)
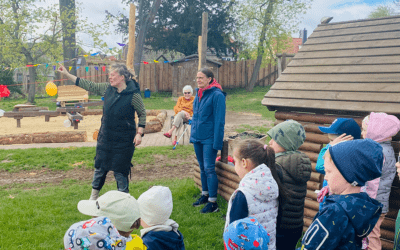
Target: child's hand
(342,137)
(398,168)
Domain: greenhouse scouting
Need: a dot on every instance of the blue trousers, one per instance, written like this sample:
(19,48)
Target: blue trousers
(206,155)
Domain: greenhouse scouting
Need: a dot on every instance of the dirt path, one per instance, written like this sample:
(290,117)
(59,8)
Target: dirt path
(162,168)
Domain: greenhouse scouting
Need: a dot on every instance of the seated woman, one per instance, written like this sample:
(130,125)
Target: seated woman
(183,111)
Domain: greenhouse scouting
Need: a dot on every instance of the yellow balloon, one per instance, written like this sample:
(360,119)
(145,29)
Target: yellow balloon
(51,89)
(136,243)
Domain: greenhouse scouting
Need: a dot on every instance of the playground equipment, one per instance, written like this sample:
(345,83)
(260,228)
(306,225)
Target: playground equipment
(74,118)
(71,93)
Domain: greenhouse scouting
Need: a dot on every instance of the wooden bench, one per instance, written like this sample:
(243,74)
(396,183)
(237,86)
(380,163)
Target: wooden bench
(21,114)
(75,118)
(71,93)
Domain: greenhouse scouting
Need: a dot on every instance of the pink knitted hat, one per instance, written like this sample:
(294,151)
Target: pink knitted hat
(382,126)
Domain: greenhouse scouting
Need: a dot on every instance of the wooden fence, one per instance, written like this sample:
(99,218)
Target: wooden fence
(159,76)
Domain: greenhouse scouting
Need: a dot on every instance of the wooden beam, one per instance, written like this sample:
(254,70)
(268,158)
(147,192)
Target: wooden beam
(131,46)
(199,52)
(204,31)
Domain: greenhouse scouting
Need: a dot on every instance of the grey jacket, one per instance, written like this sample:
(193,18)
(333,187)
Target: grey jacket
(388,174)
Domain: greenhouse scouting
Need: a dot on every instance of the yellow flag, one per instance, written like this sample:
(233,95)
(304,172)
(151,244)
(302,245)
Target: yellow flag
(70,67)
(85,55)
(156,61)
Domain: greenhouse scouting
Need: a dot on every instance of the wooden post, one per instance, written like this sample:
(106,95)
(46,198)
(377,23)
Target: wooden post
(204,30)
(279,66)
(131,46)
(283,61)
(224,151)
(199,52)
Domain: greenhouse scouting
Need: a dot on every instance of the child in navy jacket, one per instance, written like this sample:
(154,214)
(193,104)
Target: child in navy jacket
(159,231)
(348,216)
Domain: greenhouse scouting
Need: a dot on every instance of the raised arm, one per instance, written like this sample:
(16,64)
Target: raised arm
(97,88)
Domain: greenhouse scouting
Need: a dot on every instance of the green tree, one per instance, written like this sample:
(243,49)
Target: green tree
(177,25)
(6,78)
(264,24)
(382,11)
(31,30)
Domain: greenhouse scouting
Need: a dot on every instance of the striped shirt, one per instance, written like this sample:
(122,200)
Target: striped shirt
(100,88)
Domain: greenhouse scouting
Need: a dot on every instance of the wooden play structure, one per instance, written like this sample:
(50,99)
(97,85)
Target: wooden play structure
(71,93)
(345,69)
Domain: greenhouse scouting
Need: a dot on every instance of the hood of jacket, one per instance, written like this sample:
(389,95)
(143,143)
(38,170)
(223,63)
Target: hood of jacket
(382,126)
(362,211)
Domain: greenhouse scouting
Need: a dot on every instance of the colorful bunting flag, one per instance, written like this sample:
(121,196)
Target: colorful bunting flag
(166,61)
(54,67)
(87,69)
(85,55)
(96,68)
(94,54)
(156,61)
(121,44)
(145,62)
(70,67)
(104,68)
(77,67)
(29,65)
(47,65)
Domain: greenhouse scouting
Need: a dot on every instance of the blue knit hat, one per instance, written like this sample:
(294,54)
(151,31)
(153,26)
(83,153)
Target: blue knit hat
(246,234)
(340,126)
(358,161)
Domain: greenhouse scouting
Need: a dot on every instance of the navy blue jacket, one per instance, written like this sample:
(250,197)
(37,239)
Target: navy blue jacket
(155,240)
(208,119)
(343,222)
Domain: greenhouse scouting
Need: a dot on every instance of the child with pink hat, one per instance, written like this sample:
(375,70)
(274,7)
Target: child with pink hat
(381,127)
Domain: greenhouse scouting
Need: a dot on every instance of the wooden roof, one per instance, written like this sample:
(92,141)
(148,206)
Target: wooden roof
(343,67)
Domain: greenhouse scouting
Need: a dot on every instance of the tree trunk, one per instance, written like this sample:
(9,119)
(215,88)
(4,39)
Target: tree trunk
(67,13)
(142,32)
(32,85)
(260,50)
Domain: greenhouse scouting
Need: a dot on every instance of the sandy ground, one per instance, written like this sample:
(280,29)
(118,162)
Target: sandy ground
(8,126)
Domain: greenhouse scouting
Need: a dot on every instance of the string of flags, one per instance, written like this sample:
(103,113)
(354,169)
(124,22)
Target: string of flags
(77,67)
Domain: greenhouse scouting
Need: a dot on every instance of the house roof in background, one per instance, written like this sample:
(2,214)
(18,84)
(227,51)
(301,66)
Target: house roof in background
(194,57)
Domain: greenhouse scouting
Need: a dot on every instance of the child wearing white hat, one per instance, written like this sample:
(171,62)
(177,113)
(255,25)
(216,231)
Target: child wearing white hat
(159,231)
(121,208)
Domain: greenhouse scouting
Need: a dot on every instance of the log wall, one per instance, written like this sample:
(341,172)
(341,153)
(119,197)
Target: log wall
(315,140)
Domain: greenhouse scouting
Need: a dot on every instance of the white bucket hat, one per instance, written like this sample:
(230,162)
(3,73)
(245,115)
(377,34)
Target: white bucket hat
(121,208)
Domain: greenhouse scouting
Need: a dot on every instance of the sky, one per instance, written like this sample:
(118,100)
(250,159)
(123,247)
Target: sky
(340,10)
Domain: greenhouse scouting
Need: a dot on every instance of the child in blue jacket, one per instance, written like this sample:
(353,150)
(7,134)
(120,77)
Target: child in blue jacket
(342,129)
(159,231)
(348,215)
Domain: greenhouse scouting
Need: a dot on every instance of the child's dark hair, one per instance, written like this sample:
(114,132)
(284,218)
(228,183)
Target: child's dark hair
(259,153)
(208,73)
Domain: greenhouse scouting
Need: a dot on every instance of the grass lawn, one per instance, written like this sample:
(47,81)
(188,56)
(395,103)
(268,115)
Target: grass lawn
(38,218)
(237,100)
(15,160)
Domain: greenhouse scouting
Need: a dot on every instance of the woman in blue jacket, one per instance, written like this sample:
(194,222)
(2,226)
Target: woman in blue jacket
(207,134)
